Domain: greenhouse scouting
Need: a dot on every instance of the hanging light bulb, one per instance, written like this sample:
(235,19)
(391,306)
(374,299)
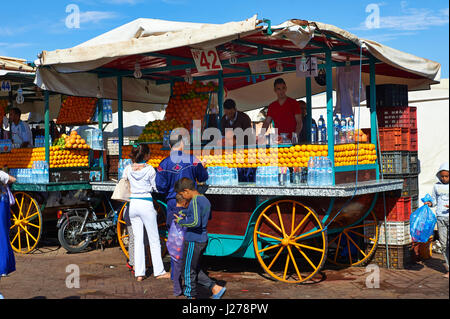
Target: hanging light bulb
(233,59)
(20,99)
(279,66)
(188,77)
(347,65)
(303,64)
(137,71)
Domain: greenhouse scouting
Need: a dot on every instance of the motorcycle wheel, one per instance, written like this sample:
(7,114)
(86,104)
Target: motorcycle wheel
(67,235)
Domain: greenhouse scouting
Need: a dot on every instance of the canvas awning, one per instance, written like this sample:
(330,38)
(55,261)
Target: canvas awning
(162,49)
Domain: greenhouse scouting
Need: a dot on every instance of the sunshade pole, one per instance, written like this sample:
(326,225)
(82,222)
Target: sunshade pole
(330,133)
(100,126)
(308,108)
(373,110)
(47,126)
(220,98)
(120,114)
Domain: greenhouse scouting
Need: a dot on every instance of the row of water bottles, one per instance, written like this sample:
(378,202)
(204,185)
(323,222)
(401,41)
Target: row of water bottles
(272,176)
(222,176)
(39,141)
(107,112)
(343,130)
(39,174)
(320,171)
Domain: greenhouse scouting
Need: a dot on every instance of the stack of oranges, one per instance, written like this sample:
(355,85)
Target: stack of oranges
(74,141)
(76,110)
(188,102)
(348,154)
(156,154)
(24,157)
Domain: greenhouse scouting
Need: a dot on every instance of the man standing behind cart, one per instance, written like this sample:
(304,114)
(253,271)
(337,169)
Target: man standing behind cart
(20,131)
(285,112)
(175,167)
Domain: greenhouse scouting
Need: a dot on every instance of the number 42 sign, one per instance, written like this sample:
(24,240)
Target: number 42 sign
(206,60)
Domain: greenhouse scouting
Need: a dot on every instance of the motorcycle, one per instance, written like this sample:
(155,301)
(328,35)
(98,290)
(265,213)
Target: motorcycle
(79,227)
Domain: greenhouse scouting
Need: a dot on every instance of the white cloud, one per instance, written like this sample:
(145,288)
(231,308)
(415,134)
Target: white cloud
(411,19)
(96,16)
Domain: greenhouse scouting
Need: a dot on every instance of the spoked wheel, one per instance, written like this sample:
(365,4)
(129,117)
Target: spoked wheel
(290,242)
(355,245)
(122,230)
(26,223)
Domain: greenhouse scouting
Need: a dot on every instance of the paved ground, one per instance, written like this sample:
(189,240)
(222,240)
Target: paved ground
(103,274)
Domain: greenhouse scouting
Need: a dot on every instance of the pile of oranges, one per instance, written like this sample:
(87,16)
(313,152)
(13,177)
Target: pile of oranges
(156,154)
(347,154)
(77,110)
(154,131)
(182,88)
(74,141)
(24,157)
(3,106)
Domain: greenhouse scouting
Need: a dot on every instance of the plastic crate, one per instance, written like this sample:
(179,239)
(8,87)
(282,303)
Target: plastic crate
(413,141)
(397,117)
(394,139)
(415,203)
(397,208)
(396,162)
(113,144)
(410,184)
(389,95)
(397,233)
(400,256)
(413,163)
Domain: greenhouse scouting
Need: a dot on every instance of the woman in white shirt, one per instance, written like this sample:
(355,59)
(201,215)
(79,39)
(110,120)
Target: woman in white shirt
(142,212)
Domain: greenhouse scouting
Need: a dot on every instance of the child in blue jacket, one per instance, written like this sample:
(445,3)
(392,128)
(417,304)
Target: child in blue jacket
(195,220)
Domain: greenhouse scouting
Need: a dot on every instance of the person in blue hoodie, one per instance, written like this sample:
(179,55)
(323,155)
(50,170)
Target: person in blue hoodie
(195,218)
(175,167)
(440,201)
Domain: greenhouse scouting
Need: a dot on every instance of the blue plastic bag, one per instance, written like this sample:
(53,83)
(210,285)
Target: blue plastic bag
(422,222)
(175,241)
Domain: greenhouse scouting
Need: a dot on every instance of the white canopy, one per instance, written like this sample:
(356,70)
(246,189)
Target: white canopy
(66,71)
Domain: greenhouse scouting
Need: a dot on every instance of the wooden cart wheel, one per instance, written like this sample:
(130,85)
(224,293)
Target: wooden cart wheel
(26,223)
(290,242)
(122,231)
(355,245)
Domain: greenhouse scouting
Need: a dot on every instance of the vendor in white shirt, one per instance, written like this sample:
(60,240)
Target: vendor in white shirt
(20,131)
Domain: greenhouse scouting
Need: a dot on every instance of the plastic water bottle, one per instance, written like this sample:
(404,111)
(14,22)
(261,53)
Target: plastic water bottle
(337,127)
(311,172)
(329,171)
(274,176)
(321,131)
(351,130)
(343,131)
(165,139)
(235,176)
(46,174)
(313,134)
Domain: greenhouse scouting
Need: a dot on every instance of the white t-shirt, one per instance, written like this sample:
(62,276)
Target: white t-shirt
(21,133)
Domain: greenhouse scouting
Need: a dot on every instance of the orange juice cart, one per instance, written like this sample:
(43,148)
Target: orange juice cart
(292,229)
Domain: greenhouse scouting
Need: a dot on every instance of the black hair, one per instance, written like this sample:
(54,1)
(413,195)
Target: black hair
(183,184)
(16,110)
(278,81)
(174,140)
(138,153)
(229,104)
(180,199)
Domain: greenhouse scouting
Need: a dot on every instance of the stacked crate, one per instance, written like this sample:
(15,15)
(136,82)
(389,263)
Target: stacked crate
(399,158)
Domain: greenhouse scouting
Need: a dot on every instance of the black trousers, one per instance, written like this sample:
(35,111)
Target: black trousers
(192,274)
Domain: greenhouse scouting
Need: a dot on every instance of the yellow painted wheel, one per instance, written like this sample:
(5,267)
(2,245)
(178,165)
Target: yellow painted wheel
(122,230)
(290,242)
(26,223)
(355,245)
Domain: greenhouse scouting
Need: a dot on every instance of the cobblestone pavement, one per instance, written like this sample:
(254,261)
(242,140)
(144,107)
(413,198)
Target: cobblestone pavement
(103,274)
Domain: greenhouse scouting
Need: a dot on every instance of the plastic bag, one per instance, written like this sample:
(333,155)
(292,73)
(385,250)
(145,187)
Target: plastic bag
(421,223)
(175,241)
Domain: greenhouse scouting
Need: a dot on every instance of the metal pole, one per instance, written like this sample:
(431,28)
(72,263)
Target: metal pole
(373,110)
(120,114)
(47,126)
(100,126)
(308,109)
(329,81)
(220,98)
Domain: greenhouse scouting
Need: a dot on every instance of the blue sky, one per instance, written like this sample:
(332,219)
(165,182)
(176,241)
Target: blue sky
(417,27)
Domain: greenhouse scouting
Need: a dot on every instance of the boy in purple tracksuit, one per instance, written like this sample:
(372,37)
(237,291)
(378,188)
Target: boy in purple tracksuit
(177,264)
(195,219)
